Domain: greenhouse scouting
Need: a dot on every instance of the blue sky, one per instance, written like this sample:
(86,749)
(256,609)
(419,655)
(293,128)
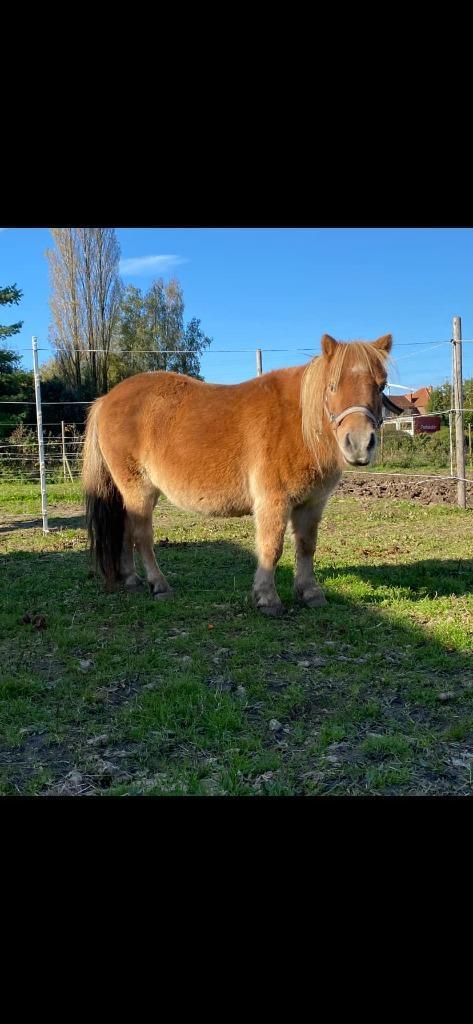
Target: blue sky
(282,288)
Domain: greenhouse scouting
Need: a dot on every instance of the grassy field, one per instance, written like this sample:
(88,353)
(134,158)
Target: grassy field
(109,693)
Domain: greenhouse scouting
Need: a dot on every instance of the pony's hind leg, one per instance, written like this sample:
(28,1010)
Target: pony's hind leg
(305,521)
(139,507)
(128,572)
(271,520)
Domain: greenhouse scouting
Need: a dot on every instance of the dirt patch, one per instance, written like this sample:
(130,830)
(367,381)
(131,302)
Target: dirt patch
(39,751)
(425,491)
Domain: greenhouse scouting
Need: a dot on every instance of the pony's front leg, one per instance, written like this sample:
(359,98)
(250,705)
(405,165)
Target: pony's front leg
(305,521)
(271,518)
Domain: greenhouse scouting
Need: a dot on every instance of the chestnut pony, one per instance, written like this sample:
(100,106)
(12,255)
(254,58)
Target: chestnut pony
(273,446)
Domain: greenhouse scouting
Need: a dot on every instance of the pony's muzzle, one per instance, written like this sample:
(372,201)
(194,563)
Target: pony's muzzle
(358,447)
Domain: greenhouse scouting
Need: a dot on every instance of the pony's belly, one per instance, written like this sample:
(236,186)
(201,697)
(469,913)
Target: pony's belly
(209,504)
(202,487)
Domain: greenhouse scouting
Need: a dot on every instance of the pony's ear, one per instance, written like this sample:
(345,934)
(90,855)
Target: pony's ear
(384,344)
(328,345)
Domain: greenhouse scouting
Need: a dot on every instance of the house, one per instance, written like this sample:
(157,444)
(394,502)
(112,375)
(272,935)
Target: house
(419,399)
(414,403)
(412,417)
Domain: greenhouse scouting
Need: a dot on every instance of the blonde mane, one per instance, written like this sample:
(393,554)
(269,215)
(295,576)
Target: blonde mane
(321,372)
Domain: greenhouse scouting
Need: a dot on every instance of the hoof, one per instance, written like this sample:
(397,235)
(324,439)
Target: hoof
(162,595)
(273,611)
(313,598)
(133,585)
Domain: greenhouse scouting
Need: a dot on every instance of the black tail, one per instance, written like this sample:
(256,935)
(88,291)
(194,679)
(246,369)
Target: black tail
(105,508)
(105,526)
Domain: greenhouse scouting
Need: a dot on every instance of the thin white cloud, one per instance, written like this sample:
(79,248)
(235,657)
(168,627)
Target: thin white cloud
(3,229)
(150,264)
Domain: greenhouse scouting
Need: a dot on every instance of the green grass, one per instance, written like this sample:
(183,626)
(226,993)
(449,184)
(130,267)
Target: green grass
(23,498)
(178,697)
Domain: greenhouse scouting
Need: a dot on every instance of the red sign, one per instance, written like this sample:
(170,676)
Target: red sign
(426,424)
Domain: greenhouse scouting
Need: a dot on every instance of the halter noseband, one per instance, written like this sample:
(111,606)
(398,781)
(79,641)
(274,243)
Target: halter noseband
(336,420)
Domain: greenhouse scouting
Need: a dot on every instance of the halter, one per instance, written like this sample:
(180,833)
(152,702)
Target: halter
(336,420)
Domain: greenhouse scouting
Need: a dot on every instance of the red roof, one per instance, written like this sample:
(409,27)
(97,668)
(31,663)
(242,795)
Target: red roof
(402,401)
(404,406)
(414,402)
(420,397)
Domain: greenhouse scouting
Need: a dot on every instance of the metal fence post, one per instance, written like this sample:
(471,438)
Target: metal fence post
(259,362)
(39,422)
(63,439)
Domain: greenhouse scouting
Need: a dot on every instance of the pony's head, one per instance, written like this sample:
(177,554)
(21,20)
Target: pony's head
(341,391)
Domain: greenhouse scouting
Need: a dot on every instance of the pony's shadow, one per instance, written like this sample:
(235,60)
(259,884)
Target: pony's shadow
(224,569)
(219,574)
(221,561)
(434,577)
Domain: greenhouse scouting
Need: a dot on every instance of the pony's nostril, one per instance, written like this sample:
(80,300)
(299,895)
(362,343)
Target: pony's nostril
(372,441)
(348,440)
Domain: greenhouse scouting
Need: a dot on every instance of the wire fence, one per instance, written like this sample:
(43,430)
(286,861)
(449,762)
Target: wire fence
(408,444)
(19,454)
